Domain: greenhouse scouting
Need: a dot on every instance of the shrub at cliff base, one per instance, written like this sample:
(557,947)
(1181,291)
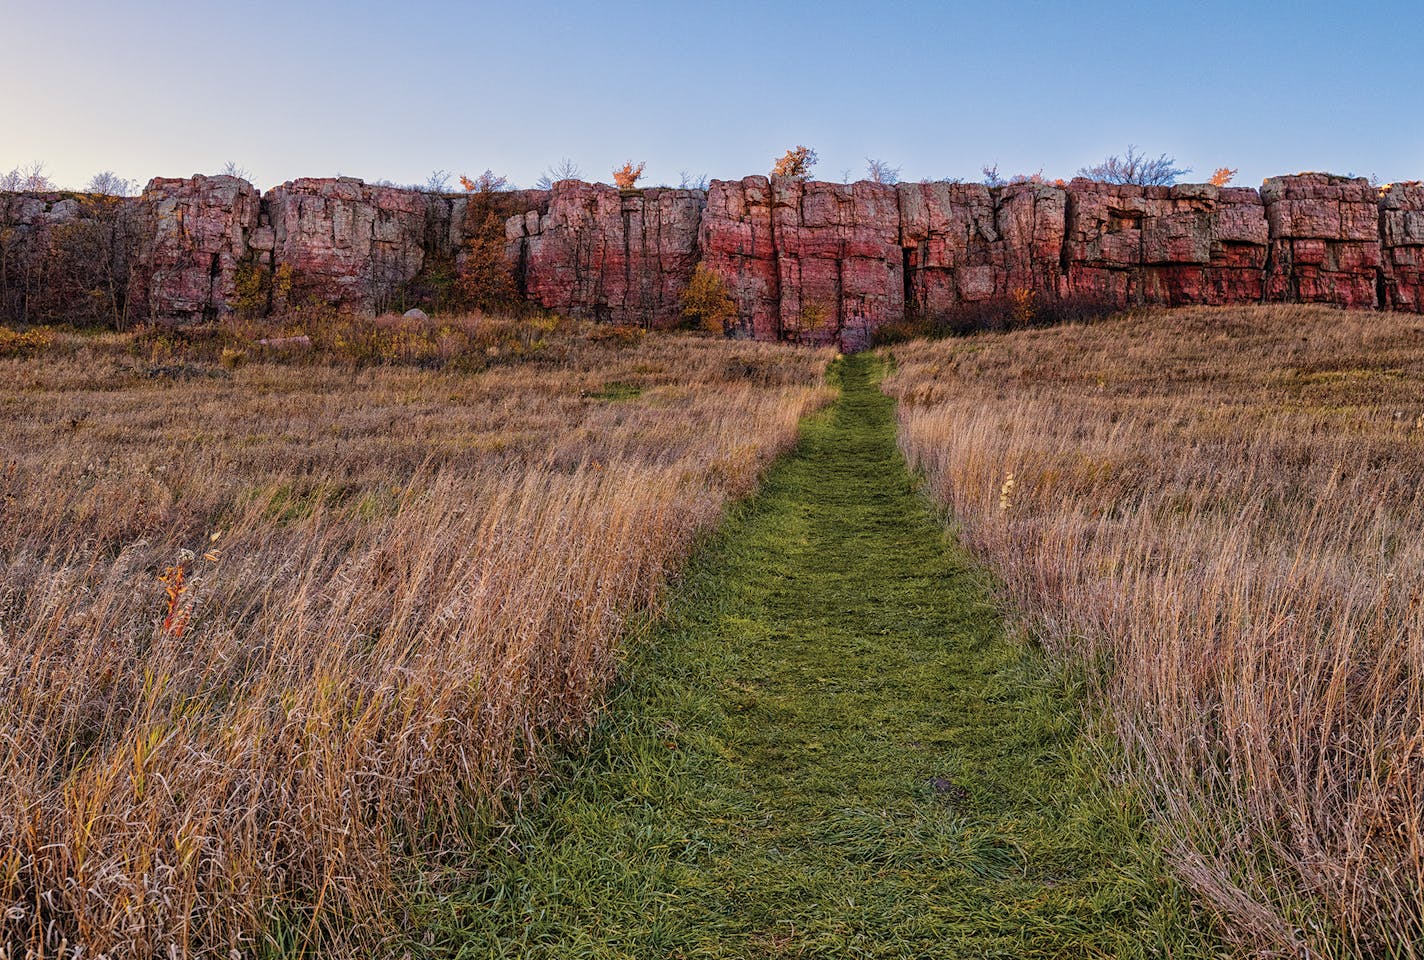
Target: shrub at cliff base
(706,302)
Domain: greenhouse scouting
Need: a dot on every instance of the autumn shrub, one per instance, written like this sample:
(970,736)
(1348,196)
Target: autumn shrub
(628,175)
(796,163)
(484,278)
(259,291)
(707,304)
(27,343)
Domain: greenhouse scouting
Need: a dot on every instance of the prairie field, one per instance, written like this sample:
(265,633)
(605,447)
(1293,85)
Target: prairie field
(278,622)
(1219,512)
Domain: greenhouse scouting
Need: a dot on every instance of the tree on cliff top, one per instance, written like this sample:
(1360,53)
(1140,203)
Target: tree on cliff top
(628,175)
(109,184)
(1222,176)
(796,164)
(878,171)
(1136,168)
(32,177)
(565,169)
(487,182)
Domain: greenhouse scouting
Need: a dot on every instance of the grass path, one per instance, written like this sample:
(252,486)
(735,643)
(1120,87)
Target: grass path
(828,748)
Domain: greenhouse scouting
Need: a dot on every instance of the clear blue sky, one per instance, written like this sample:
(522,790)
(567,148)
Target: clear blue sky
(385,90)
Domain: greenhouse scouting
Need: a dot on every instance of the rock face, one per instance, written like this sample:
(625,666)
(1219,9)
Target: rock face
(1402,246)
(347,243)
(737,244)
(193,235)
(1193,243)
(965,243)
(1325,240)
(621,256)
(807,261)
(65,256)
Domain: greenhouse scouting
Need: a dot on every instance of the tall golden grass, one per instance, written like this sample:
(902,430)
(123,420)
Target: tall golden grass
(274,632)
(1224,509)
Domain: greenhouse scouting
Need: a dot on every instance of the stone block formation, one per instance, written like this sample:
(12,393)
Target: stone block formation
(622,256)
(806,261)
(1325,240)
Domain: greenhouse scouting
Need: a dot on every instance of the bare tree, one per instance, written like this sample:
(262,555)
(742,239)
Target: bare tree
(687,181)
(881,172)
(487,182)
(992,177)
(109,184)
(1137,168)
(437,182)
(32,178)
(231,169)
(565,169)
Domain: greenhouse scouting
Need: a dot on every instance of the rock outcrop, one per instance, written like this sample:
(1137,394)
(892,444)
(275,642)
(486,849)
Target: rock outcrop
(1402,246)
(1193,243)
(1324,240)
(620,256)
(193,235)
(967,243)
(347,243)
(806,261)
(65,256)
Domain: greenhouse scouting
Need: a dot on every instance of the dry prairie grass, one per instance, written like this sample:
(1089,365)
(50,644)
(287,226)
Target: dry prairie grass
(1222,508)
(272,627)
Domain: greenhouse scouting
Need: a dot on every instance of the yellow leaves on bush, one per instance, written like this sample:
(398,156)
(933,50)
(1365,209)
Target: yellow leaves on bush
(16,344)
(1023,301)
(707,303)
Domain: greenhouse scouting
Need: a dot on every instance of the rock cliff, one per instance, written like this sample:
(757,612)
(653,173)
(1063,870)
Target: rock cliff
(806,261)
(1402,246)
(1193,243)
(1324,240)
(192,236)
(622,256)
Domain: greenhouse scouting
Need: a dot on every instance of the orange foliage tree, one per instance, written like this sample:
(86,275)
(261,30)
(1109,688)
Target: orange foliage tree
(796,163)
(1222,176)
(483,279)
(628,174)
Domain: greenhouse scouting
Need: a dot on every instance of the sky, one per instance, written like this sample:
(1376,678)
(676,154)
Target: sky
(395,91)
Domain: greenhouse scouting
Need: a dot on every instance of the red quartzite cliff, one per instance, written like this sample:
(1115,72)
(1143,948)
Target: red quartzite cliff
(1188,244)
(1324,240)
(622,256)
(807,261)
(1402,246)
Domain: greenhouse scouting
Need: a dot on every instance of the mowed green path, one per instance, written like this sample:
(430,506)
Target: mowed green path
(827,748)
